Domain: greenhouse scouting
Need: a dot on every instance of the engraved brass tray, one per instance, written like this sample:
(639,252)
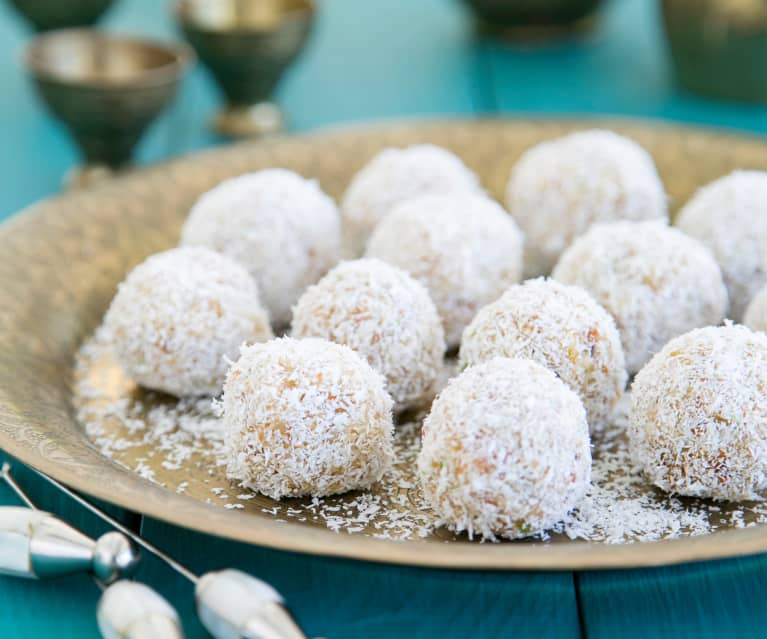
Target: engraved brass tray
(61,260)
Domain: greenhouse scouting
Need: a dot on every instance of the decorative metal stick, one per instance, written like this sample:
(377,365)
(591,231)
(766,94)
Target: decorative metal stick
(230,603)
(37,544)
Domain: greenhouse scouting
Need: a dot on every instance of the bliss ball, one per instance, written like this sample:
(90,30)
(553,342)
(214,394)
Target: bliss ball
(698,414)
(464,248)
(505,450)
(393,176)
(558,189)
(278,225)
(729,216)
(756,313)
(306,417)
(654,280)
(180,315)
(560,327)
(383,315)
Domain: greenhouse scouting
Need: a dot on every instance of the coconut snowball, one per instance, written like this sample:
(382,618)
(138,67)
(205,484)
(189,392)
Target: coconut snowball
(393,176)
(306,417)
(756,313)
(464,248)
(656,282)
(698,414)
(729,216)
(179,315)
(281,227)
(386,317)
(505,450)
(560,327)
(559,188)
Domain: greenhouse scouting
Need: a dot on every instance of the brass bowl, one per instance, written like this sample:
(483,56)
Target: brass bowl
(719,48)
(533,18)
(46,15)
(246,45)
(105,89)
(61,261)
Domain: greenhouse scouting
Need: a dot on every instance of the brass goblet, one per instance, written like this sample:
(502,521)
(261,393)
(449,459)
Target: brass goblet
(246,45)
(45,15)
(105,89)
(534,18)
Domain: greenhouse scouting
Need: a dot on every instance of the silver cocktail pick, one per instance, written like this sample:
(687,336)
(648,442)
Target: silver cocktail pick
(230,604)
(37,544)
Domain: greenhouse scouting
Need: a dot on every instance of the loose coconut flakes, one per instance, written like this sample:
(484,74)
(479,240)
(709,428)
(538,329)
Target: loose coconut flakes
(179,444)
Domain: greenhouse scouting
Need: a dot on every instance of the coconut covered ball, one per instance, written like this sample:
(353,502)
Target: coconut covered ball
(756,313)
(558,189)
(560,327)
(505,450)
(306,417)
(654,280)
(464,248)
(386,317)
(698,420)
(729,216)
(393,176)
(179,315)
(281,227)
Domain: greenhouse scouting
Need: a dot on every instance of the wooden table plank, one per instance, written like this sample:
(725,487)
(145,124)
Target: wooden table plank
(698,601)
(343,599)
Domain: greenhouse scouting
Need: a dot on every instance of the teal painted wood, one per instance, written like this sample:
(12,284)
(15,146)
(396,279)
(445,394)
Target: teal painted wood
(342,599)
(709,600)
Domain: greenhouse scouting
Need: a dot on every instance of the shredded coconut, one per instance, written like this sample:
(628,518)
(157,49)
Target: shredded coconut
(128,424)
(383,315)
(505,450)
(729,216)
(179,315)
(278,225)
(656,282)
(559,188)
(464,248)
(305,417)
(698,416)
(393,176)
(560,327)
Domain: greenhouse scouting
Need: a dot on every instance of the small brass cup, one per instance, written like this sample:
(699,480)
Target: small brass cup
(534,19)
(45,15)
(719,47)
(105,89)
(246,45)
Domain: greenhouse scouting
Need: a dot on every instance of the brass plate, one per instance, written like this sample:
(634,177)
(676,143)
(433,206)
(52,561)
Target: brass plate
(61,260)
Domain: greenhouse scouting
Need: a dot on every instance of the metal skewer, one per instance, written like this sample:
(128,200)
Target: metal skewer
(230,603)
(37,544)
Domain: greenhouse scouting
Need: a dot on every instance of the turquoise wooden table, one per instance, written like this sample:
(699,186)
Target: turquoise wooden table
(384,59)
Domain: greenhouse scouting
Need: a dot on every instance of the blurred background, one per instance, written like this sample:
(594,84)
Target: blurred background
(372,59)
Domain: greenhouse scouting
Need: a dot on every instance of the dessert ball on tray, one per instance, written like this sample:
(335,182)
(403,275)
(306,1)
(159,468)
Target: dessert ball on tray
(560,327)
(729,216)
(393,176)
(505,450)
(281,227)
(306,417)
(558,189)
(386,317)
(698,420)
(464,248)
(756,313)
(656,282)
(179,315)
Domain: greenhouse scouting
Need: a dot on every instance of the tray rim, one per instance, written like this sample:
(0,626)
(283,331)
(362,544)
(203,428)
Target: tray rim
(147,498)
